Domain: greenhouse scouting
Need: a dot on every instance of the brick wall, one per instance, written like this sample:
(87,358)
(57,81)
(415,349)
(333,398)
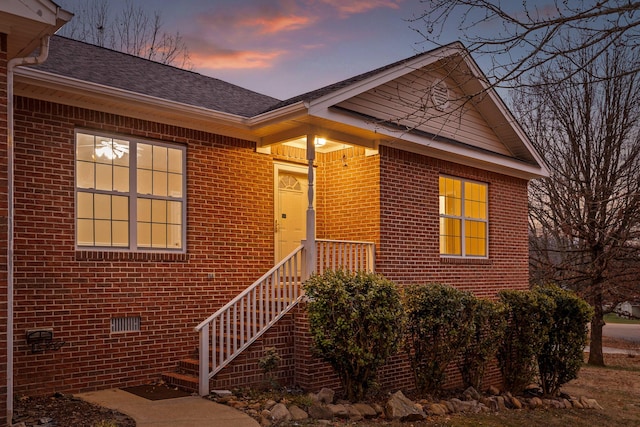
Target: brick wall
(76,293)
(3,228)
(409,246)
(390,199)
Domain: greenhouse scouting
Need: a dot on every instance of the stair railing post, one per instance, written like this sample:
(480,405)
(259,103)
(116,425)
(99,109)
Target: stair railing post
(203,378)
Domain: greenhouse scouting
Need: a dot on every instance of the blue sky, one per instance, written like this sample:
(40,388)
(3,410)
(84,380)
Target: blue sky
(284,48)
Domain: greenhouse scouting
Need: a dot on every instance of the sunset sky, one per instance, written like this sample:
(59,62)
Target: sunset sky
(284,48)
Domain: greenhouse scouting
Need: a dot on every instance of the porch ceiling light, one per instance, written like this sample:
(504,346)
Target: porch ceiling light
(320,142)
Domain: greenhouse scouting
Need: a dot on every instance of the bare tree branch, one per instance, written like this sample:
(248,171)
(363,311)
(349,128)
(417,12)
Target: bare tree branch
(585,218)
(520,37)
(131,30)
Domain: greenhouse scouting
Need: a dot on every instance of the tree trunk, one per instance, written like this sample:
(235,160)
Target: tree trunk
(595,346)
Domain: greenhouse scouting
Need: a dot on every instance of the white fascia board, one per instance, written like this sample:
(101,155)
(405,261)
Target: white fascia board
(87,88)
(288,112)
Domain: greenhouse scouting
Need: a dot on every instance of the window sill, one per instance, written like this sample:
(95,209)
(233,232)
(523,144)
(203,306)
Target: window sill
(465,260)
(97,255)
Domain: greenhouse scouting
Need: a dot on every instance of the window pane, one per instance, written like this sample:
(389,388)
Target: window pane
(159,158)
(120,152)
(120,233)
(450,236)
(475,238)
(102,203)
(144,210)
(103,233)
(84,209)
(158,235)
(145,159)
(85,147)
(175,185)
(174,237)
(174,213)
(450,196)
(159,211)
(160,184)
(104,177)
(175,161)
(120,208)
(145,182)
(85,175)
(85,232)
(144,234)
(104,150)
(121,179)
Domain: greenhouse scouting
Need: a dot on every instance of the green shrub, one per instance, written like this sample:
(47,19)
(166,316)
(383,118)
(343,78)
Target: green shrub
(560,358)
(438,326)
(529,319)
(356,324)
(489,322)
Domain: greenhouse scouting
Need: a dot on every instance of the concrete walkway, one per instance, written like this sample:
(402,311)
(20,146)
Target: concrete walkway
(179,412)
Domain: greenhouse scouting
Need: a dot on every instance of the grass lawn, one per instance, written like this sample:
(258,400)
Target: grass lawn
(614,318)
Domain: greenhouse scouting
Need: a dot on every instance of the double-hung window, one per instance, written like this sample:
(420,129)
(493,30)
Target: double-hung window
(130,194)
(463,217)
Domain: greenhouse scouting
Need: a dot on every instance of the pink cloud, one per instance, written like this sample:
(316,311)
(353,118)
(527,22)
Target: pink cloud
(361,6)
(229,59)
(277,24)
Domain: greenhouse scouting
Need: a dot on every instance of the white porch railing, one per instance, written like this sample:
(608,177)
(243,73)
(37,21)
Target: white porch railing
(227,332)
(350,255)
(233,328)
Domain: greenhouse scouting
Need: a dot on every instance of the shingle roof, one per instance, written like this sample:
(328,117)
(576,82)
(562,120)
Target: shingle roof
(86,62)
(318,93)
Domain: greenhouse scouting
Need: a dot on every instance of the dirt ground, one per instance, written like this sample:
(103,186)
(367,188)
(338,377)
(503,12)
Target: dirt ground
(616,388)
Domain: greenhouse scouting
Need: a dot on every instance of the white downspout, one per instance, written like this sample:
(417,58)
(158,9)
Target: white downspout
(15,62)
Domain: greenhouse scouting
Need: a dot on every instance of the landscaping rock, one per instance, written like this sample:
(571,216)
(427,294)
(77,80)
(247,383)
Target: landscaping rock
(297,414)
(338,410)
(493,390)
(471,394)
(221,393)
(326,395)
(535,402)
(353,413)
(367,411)
(398,407)
(436,409)
(515,402)
(280,413)
(319,412)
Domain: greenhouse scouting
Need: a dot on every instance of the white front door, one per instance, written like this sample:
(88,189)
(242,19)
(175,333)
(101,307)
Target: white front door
(291,202)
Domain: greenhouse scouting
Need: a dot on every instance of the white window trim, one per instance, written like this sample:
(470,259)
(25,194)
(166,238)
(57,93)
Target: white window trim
(464,219)
(132,195)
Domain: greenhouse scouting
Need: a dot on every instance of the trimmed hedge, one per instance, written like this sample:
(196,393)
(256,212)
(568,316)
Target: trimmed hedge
(356,324)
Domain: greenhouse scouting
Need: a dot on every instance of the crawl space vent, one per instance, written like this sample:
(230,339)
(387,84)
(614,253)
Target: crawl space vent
(125,324)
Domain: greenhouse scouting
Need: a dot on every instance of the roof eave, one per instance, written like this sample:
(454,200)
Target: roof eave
(123,102)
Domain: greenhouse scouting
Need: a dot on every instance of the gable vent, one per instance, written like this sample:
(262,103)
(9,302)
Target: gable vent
(125,324)
(440,95)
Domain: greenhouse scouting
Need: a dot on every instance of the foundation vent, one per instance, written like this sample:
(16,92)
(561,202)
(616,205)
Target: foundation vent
(125,324)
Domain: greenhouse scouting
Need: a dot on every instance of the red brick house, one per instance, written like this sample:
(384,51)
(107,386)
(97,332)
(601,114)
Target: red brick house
(116,262)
